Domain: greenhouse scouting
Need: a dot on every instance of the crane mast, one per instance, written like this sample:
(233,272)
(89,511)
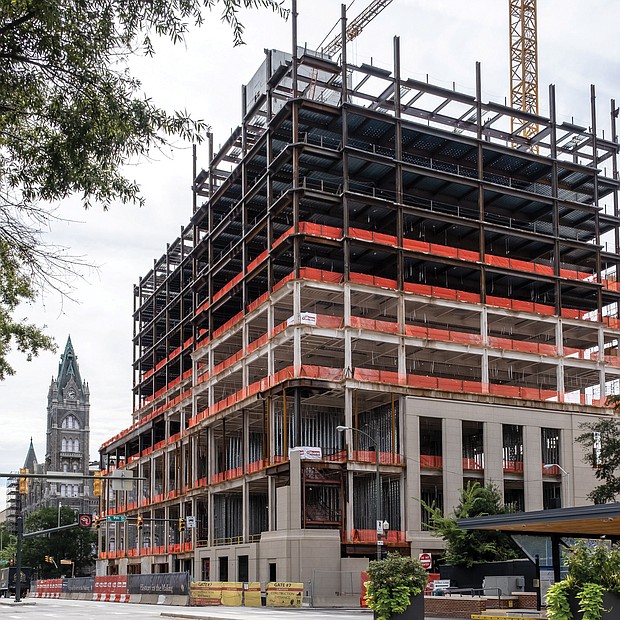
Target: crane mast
(357,25)
(523,64)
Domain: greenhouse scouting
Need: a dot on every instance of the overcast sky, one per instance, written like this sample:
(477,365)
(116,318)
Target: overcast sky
(441,39)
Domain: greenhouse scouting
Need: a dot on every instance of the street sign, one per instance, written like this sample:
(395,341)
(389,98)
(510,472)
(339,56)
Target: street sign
(85,520)
(190,521)
(380,526)
(426,559)
(122,480)
(116,519)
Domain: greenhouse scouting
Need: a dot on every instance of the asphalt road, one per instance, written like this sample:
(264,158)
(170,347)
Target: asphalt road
(44,609)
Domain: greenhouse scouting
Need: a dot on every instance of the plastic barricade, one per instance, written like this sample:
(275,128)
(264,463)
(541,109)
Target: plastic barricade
(284,594)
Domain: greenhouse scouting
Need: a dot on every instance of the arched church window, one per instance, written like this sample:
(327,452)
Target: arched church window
(76,490)
(65,467)
(63,490)
(70,422)
(64,445)
(76,445)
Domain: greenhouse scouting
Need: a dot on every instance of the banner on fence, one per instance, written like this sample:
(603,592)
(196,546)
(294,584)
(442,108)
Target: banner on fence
(111,584)
(284,594)
(79,585)
(170,584)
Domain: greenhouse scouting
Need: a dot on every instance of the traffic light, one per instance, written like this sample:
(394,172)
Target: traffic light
(97,484)
(23,482)
(139,522)
(96,522)
(181,524)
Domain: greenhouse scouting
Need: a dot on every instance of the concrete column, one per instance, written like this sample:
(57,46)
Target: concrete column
(295,497)
(349,524)
(452,458)
(532,468)
(245,511)
(493,455)
(411,451)
(567,461)
(271,503)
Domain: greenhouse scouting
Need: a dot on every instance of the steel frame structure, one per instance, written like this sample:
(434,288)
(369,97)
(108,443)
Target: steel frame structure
(371,240)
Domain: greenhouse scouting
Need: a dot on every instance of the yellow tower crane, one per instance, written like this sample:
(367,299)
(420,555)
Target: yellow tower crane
(523,56)
(357,25)
(523,64)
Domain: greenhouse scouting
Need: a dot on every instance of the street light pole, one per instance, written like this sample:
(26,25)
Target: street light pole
(567,475)
(378,502)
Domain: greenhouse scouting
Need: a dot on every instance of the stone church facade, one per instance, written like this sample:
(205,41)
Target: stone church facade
(67,444)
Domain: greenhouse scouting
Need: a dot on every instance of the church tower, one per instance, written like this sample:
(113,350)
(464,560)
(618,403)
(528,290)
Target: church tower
(68,432)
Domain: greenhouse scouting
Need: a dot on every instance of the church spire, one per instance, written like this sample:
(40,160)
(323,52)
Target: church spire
(31,458)
(68,369)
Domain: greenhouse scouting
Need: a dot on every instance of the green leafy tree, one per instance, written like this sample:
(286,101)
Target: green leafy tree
(7,544)
(76,544)
(465,548)
(71,117)
(601,444)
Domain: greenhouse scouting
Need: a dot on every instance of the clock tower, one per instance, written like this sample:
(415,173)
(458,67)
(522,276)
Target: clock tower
(68,432)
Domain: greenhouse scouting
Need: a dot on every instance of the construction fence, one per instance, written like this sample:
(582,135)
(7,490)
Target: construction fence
(171,589)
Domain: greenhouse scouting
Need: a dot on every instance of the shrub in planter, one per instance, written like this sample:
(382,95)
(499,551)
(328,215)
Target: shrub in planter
(593,571)
(392,584)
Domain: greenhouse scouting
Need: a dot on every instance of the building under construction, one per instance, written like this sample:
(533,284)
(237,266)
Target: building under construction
(377,253)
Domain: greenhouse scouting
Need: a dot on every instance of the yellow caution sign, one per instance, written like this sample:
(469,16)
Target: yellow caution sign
(206,592)
(284,594)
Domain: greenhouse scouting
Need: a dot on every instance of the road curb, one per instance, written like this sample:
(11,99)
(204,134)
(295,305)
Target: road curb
(194,617)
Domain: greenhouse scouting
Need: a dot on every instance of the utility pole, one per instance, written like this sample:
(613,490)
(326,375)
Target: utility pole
(18,553)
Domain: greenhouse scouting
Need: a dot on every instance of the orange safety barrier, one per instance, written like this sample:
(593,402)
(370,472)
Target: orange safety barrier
(422,381)
(498,261)
(333,322)
(259,301)
(544,270)
(526,306)
(257,261)
(256,466)
(416,246)
(468,297)
(511,391)
(513,467)
(337,457)
(370,456)
(470,464)
(500,302)
(370,536)
(428,461)
(450,385)
(416,331)
(464,338)
(444,250)
(522,265)
(360,233)
(418,289)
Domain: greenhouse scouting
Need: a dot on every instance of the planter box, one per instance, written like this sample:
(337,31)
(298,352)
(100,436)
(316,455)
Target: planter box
(415,611)
(611,607)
